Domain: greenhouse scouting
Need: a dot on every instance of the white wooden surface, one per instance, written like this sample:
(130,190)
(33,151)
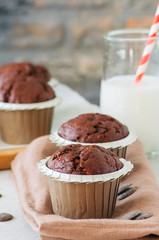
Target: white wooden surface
(17,229)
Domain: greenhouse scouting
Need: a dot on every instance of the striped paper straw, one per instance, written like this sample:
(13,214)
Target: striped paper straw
(148,47)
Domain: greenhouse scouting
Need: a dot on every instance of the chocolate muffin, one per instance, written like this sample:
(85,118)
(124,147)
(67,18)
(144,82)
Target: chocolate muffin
(84,160)
(24,83)
(93,128)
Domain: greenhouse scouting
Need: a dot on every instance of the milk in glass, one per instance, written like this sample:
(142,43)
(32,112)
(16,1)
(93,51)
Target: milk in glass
(136,105)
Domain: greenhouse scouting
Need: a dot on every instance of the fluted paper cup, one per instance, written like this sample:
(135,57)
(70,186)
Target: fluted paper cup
(84,196)
(119,147)
(21,123)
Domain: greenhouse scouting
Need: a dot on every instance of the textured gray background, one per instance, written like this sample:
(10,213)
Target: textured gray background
(66,35)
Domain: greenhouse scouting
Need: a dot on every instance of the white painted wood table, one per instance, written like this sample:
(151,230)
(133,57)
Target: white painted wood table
(17,229)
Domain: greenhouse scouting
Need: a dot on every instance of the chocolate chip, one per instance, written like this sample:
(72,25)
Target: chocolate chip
(124,188)
(0,195)
(136,215)
(131,215)
(143,215)
(5,217)
(126,193)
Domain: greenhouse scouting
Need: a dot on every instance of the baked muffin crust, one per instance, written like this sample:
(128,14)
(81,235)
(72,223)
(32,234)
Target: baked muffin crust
(84,160)
(24,83)
(93,128)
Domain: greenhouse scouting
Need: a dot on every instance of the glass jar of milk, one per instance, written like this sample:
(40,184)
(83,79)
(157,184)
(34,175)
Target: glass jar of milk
(136,105)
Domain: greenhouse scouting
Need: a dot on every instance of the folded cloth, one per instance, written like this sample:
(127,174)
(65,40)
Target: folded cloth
(33,193)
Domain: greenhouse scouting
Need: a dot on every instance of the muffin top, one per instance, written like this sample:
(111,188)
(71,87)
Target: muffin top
(93,128)
(24,83)
(84,160)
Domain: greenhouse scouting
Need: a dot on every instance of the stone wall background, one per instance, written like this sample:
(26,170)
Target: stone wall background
(66,35)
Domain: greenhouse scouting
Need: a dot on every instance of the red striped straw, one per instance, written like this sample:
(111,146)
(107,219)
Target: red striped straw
(148,47)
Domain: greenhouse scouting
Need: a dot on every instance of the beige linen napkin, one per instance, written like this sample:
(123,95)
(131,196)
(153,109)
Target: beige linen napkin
(33,193)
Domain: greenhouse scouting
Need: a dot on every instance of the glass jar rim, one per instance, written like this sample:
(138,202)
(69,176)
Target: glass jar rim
(112,36)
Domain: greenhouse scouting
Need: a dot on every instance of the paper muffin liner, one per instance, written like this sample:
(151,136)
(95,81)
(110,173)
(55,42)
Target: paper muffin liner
(29,106)
(79,196)
(21,123)
(21,127)
(53,82)
(119,147)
